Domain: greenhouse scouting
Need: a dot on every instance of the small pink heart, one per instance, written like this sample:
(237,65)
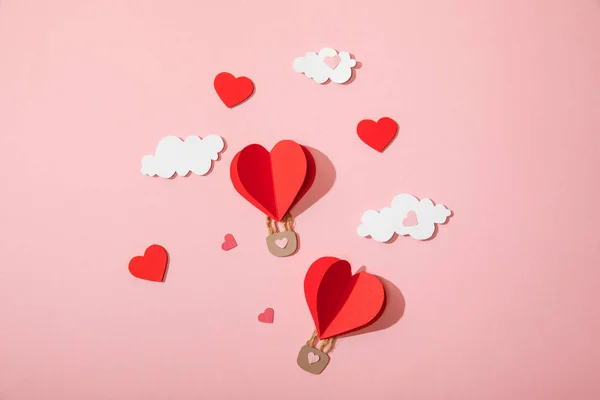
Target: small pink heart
(267,316)
(313,358)
(410,219)
(229,242)
(332,62)
(281,243)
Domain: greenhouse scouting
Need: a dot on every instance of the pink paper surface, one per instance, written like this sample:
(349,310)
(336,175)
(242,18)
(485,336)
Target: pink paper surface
(498,105)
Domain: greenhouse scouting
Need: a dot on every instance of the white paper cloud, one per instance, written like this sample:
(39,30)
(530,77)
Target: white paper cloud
(174,155)
(316,66)
(382,225)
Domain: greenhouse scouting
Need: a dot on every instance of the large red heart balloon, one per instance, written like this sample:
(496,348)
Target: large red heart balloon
(273,182)
(340,302)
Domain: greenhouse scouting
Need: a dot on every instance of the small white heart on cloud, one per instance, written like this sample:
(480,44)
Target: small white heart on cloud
(327,64)
(176,156)
(407,216)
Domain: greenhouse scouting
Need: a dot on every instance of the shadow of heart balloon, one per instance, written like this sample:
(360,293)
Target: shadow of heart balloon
(324,180)
(392,311)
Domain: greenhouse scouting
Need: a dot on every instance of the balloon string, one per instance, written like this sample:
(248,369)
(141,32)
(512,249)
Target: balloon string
(326,345)
(314,339)
(286,220)
(270,225)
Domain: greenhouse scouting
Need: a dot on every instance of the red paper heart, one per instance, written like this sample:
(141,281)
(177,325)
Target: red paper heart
(340,302)
(377,135)
(267,317)
(151,266)
(231,90)
(229,242)
(273,182)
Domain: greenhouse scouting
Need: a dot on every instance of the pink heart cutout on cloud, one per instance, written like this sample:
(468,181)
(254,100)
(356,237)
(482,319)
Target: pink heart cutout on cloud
(332,62)
(229,242)
(281,243)
(267,317)
(410,219)
(313,358)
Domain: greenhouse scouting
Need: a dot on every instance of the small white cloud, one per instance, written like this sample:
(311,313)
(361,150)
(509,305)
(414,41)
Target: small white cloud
(174,155)
(328,64)
(400,219)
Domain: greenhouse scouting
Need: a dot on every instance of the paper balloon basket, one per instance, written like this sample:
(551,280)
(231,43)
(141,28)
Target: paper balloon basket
(345,303)
(284,243)
(274,182)
(313,358)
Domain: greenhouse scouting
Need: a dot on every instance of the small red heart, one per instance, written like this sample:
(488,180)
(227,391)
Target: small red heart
(231,90)
(377,135)
(151,266)
(267,316)
(229,242)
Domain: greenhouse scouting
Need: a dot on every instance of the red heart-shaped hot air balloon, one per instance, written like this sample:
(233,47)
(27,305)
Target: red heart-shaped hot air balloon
(340,302)
(273,181)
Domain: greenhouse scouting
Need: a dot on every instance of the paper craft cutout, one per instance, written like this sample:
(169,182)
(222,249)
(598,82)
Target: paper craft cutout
(328,64)
(152,265)
(332,62)
(382,225)
(274,182)
(229,242)
(267,316)
(231,90)
(340,302)
(410,219)
(282,244)
(377,135)
(312,360)
(174,156)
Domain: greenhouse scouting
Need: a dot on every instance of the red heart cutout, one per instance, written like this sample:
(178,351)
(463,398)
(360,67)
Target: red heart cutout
(377,135)
(267,317)
(273,182)
(340,302)
(229,242)
(151,266)
(231,90)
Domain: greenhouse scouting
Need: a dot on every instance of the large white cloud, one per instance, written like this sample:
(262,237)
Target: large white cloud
(381,225)
(174,155)
(316,66)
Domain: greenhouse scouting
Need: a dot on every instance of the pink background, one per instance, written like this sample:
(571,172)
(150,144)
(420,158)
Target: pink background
(499,108)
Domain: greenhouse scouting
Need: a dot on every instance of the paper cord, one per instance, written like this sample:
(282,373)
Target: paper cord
(287,224)
(326,345)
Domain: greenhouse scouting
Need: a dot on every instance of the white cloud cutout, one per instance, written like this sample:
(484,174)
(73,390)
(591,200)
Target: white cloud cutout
(381,225)
(174,155)
(315,66)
